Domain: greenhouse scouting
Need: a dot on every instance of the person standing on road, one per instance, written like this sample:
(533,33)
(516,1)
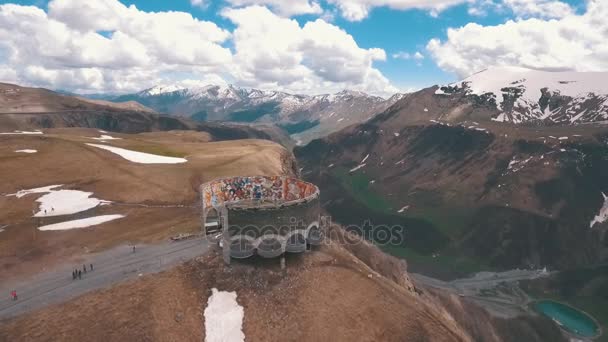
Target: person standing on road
(91,267)
(84,268)
(14,295)
(73,275)
(79,274)
(133,248)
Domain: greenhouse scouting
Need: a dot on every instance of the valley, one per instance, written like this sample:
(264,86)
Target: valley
(472,193)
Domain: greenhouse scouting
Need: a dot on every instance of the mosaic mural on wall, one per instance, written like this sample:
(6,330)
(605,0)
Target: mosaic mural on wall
(275,188)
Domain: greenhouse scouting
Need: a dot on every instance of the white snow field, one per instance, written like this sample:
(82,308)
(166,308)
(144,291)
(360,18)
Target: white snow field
(602,216)
(568,83)
(105,137)
(43,189)
(61,202)
(223,318)
(26,151)
(81,223)
(66,202)
(140,157)
(22,132)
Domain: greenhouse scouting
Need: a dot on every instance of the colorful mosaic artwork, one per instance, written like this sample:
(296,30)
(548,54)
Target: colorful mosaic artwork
(237,189)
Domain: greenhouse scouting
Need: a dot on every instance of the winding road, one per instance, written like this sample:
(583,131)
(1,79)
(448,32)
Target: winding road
(109,267)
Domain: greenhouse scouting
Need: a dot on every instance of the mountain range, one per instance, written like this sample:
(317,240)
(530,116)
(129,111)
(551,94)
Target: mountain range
(304,117)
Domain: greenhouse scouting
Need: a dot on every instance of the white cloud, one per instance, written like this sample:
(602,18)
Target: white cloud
(575,42)
(406,55)
(539,8)
(66,49)
(276,52)
(97,46)
(285,8)
(199,3)
(356,10)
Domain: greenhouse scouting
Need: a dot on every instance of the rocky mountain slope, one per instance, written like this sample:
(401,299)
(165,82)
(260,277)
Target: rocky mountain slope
(306,117)
(17,99)
(474,194)
(523,95)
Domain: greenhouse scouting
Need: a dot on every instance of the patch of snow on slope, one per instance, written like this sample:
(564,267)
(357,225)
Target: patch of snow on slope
(40,190)
(403,209)
(364,159)
(26,151)
(357,168)
(140,157)
(516,165)
(104,137)
(22,132)
(602,216)
(65,202)
(81,223)
(223,318)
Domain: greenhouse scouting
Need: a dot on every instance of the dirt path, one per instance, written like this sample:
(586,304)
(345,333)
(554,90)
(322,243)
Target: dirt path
(109,267)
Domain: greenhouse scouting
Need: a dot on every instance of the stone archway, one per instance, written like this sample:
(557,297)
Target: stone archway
(212,224)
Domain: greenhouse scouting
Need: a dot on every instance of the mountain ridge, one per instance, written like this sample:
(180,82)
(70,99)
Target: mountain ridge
(306,116)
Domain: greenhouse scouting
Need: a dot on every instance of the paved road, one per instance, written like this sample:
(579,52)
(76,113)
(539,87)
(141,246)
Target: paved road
(109,267)
(498,292)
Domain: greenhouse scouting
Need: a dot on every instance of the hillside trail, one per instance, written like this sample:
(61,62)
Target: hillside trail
(110,267)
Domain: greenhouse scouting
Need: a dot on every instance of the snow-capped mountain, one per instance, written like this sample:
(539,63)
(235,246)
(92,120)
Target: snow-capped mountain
(306,116)
(523,95)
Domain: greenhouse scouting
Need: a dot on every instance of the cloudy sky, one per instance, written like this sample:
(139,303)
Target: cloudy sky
(306,46)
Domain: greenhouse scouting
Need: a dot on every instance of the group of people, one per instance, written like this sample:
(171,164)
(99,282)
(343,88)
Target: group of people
(77,273)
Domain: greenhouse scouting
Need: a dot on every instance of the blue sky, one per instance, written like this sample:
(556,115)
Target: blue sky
(394,28)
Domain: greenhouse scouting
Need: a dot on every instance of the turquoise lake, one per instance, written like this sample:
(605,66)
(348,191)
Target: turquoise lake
(569,318)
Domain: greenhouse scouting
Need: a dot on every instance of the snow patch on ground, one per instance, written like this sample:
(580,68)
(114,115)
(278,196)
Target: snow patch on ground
(81,223)
(40,190)
(364,159)
(223,318)
(140,157)
(516,165)
(357,167)
(403,209)
(104,137)
(602,216)
(65,202)
(23,132)
(61,202)
(26,151)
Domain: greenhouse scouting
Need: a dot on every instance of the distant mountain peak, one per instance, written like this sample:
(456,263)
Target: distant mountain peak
(523,95)
(161,89)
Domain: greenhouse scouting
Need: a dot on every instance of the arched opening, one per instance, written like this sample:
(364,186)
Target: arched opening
(270,247)
(296,243)
(212,223)
(315,235)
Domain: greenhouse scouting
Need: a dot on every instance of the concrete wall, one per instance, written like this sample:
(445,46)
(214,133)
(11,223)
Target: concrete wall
(263,215)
